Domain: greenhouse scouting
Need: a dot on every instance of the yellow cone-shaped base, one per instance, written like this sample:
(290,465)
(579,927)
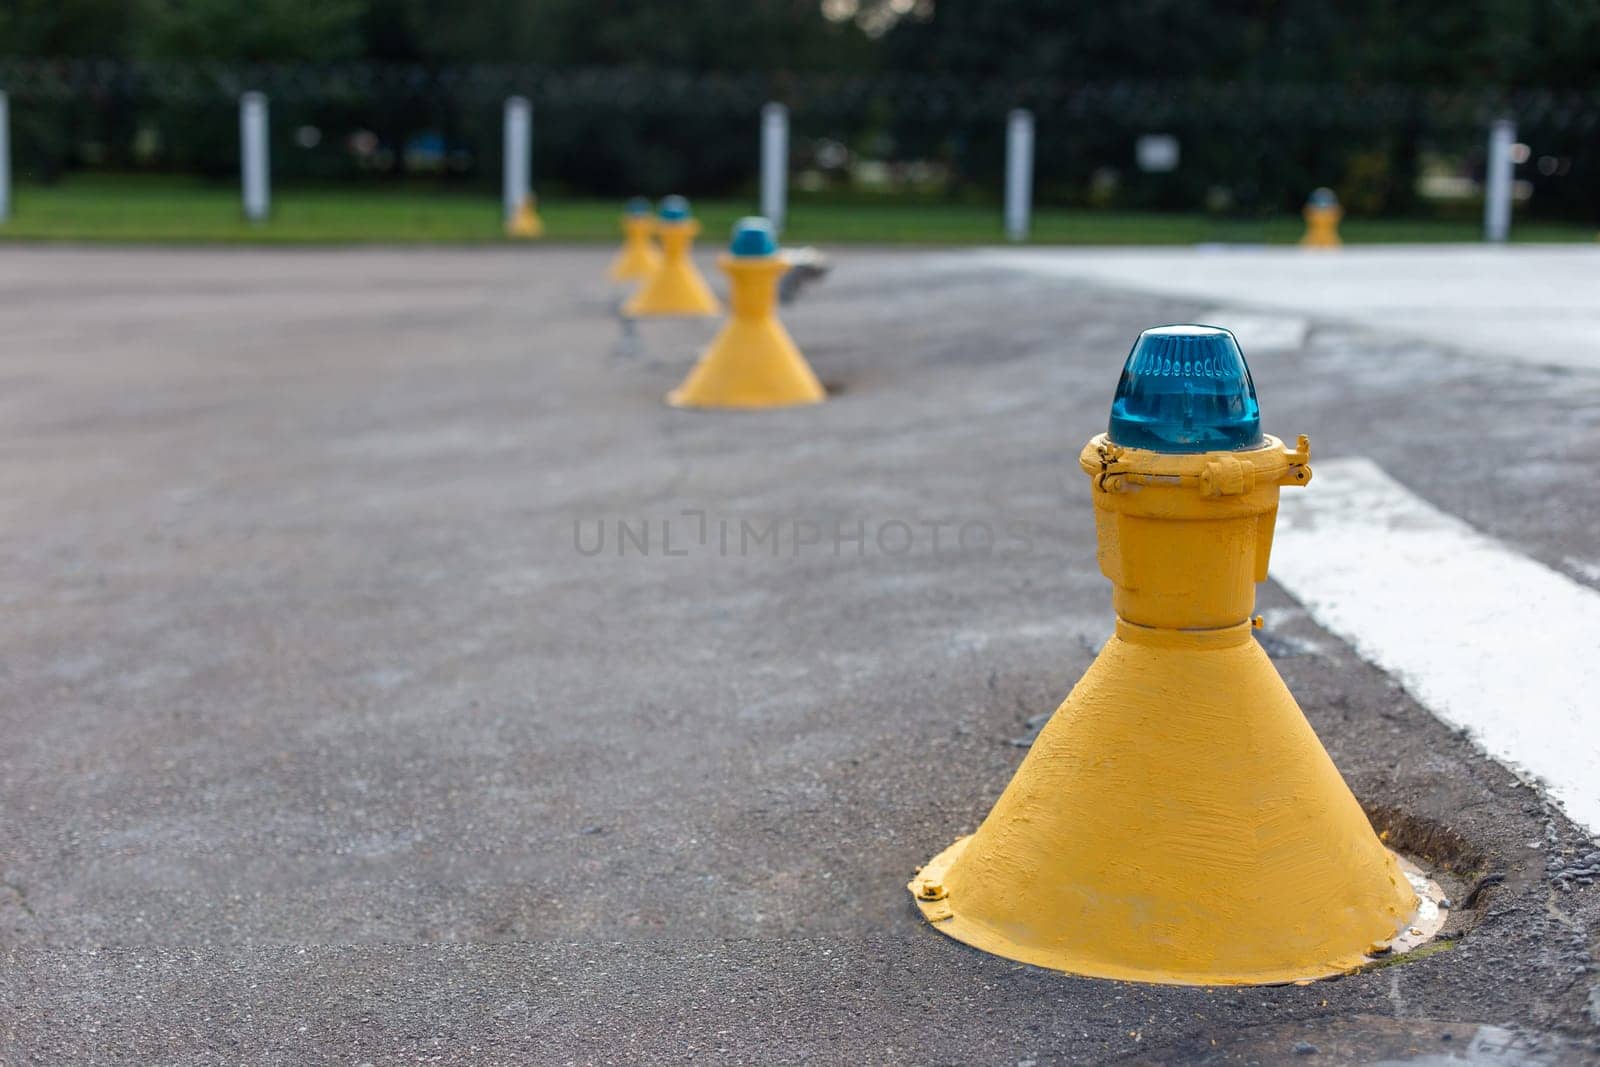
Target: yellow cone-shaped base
(639,257)
(750,365)
(525,221)
(752,362)
(1176,821)
(677,288)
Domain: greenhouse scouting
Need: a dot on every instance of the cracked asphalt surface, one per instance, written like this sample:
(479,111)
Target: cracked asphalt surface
(329,735)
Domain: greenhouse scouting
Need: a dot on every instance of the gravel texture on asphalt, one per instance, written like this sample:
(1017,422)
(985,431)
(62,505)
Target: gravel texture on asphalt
(328,736)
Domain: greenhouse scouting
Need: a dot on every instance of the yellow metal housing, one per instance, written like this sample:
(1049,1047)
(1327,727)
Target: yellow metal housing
(639,257)
(677,287)
(1322,226)
(525,221)
(752,362)
(1177,819)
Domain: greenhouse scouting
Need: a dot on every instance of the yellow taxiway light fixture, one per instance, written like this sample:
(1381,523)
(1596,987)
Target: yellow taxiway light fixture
(639,257)
(752,362)
(677,287)
(525,221)
(1322,214)
(1177,819)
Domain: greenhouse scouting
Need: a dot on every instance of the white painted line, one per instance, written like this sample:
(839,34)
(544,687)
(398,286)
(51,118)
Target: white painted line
(1487,639)
(1588,568)
(1534,303)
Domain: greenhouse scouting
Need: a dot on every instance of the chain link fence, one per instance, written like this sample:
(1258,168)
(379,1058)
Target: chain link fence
(1241,149)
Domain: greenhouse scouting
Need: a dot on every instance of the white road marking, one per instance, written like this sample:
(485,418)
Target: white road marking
(1587,568)
(1535,303)
(1486,638)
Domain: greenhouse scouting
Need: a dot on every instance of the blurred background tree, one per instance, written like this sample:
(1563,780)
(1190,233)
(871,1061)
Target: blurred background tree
(254,32)
(1546,43)
(689,35)
(64,27)
(1267,98)
(1510,43)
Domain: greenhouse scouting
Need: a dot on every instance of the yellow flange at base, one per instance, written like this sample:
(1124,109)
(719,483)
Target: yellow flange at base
(639,257)
(677,288)
(1176,821)
(752,362)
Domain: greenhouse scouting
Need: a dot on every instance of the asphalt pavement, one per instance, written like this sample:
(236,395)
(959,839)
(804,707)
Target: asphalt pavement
(389,676)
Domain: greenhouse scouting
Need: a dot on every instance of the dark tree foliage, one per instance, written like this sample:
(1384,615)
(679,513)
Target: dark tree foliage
(1371,71)
(1268,98)
(1509,43)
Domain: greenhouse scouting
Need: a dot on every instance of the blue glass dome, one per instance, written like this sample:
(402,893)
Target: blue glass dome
(1186,389)
(1323,197)
(753,236)
(638,206)
(674,208)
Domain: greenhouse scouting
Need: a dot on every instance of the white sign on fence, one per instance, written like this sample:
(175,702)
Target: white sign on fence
(1156,153)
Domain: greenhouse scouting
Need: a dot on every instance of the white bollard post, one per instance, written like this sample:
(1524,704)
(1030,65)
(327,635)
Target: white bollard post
(254,166)
(1497,181)
(774,164)
(1019,173)
(518,148)
(5,156)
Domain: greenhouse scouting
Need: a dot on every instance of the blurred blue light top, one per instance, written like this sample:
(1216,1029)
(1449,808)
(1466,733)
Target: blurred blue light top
(753,236)
(638,206)
(1186,389)
(1323,197)
(674,208)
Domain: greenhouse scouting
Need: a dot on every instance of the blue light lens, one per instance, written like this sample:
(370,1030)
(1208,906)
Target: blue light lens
(1186,389)
(638,206)
(753,236)
(674,209)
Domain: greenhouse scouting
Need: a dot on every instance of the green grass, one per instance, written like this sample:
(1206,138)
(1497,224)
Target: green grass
(154,209)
